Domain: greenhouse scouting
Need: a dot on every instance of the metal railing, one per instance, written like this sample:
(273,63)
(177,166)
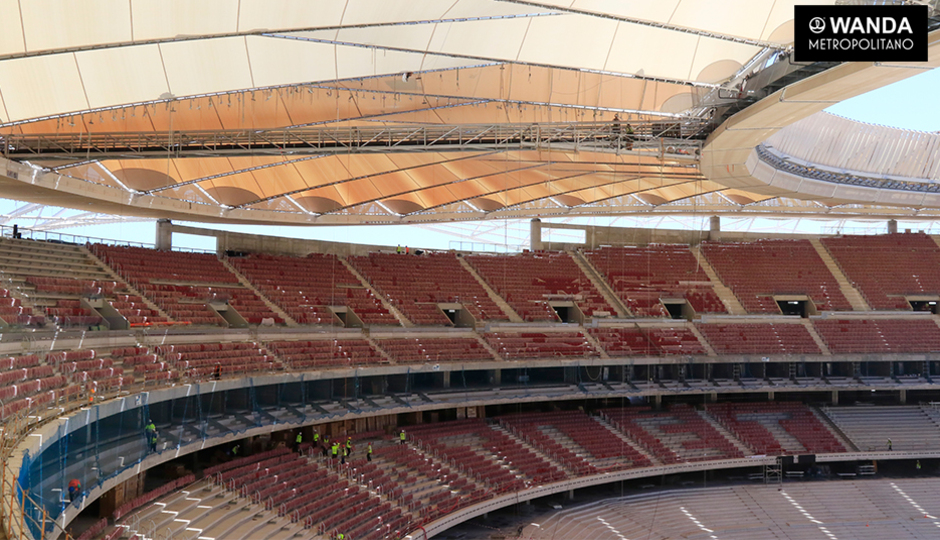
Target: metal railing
(682,136)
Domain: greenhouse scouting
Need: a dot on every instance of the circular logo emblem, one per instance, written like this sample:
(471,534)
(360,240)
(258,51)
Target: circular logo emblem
(817,25)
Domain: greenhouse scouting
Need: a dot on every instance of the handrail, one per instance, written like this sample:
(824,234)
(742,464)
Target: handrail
(367,138)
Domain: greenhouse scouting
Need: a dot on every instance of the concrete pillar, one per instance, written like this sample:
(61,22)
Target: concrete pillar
(892,226)
(714,228)
(770,395)
(446,379)
(535,234)
(497,377)
(570,494)
(164,239)
(658,401)
(903,397)
(835,397)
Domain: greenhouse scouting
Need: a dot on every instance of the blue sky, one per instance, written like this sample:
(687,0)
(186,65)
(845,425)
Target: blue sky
(913,103)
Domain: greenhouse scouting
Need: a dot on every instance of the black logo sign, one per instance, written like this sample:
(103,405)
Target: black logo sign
(860,33)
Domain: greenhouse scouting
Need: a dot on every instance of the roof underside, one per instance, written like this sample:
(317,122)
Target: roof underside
(110,70)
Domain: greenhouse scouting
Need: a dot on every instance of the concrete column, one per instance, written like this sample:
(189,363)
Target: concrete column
(535,234)
(446,379)
(164,239)
(892,226)
(714,228)
(770,396)
(835,397)
(658,401)
(903,397)
(497,377)
(570,494)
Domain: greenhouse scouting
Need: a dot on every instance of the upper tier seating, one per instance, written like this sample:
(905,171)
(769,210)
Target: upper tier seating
(305,286)
(578,441)
(540,345)
(327,353)
(879,335)
(55,277)
(759,338)
(885,268)
(14,313)
(183,284)
(644,275)
(756,271)
(678,435)
(651,341)
(528,280)
(415,284)
(777,428)
(434,350)
(200,360)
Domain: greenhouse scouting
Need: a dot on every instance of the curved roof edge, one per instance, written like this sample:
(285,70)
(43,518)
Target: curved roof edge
(728,149)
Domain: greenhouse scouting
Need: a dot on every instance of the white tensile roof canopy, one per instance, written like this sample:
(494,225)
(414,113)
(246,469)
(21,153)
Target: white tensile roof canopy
(359,111)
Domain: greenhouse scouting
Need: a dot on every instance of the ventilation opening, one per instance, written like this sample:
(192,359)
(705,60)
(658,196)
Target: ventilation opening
(563,312)
(924,305)
(675,310)
(793,307)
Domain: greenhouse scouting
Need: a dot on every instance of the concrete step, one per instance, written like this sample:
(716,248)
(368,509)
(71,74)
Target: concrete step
(816,337)
(288,320)
(701,339)
(855,298)
(600,284)
(404,321)
(622,436)
(496,298)
(130,287)
(725,433)
(596,344)
(725,294)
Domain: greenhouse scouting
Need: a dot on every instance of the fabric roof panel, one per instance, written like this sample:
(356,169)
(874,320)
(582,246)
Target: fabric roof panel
(586,44)
(154,20)
(41,86)
(493,39)
(743,18)
(275,14)
(215,65)
(139,73)
(58,24)
(277,61)
(317,172)
(653,51)
(11,30)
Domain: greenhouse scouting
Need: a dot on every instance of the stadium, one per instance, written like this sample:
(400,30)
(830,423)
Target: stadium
(574,378)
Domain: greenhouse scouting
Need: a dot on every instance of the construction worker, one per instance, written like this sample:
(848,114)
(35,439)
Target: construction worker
(345,455)
(217,373)
(401,436)
(235,450)
(298,439)
(349,445)
(316,438)
(369,452)
(889,445)
(918,465)
(335,449)
(150,430)
(75,489)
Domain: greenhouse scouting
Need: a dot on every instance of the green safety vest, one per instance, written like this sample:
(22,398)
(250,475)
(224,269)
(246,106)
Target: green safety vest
(402,435)
(369,449)
(300,438)
(316,437)
(335,449)
(348,444)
